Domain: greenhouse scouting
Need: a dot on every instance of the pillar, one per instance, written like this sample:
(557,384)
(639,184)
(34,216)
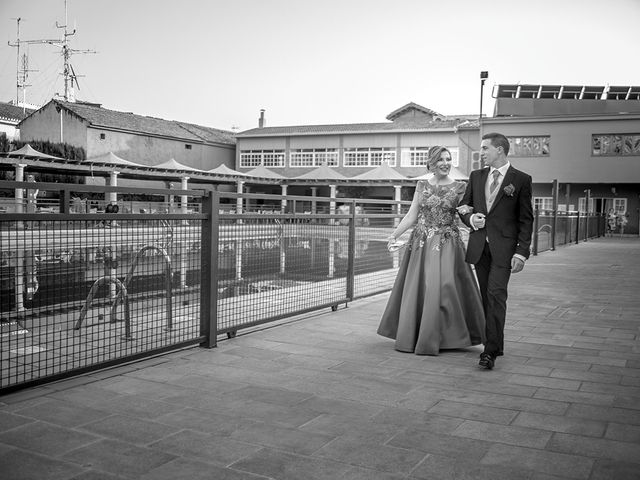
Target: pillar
(113,182)
(397,196)
(184,185)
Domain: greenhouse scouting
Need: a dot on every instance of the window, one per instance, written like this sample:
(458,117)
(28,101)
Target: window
(418,156)
(543,203)
(369,157)
(313,157)
(103,136)
(616,144)
(187,146)
(529,146)
(582,202)
(620,205)
(268,158)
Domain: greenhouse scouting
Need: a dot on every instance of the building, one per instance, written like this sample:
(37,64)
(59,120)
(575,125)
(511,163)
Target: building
(10,116)
(585,137)
(137,138)
(351,150)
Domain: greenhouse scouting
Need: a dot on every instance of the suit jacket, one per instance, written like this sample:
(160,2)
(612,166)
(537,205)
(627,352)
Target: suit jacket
(509,224)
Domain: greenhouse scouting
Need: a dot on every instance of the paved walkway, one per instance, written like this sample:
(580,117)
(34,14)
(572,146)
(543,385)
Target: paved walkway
(324,397)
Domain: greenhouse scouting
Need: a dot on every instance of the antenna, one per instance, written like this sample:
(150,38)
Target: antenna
(23,73)
(68,72)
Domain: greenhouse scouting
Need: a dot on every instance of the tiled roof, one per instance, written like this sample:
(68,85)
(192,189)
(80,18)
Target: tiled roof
(412,106)
(101,117)
(9,111)
(350,128)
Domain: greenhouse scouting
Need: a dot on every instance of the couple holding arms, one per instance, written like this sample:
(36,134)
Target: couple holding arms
(436,302)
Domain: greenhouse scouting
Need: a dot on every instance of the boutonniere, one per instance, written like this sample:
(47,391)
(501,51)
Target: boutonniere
(509,190)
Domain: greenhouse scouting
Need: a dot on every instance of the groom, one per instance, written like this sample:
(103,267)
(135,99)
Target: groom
(500,238)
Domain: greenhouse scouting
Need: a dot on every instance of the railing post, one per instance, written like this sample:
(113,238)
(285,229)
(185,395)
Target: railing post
(554,226)
(65,200)
(209,270)
(352,253)
(536,221)
(578,227)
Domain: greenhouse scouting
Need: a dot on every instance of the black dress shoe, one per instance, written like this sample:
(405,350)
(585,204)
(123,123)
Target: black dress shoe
(486,361)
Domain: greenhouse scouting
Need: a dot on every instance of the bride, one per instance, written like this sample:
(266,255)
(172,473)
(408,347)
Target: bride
(435,302)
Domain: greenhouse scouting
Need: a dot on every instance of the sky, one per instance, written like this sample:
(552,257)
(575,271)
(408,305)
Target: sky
(218,63)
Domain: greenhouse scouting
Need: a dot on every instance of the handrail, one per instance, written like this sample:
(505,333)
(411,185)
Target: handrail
(123,292)
(167,280)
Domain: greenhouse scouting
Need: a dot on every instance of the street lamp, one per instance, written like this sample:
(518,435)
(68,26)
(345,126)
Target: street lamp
(483,76)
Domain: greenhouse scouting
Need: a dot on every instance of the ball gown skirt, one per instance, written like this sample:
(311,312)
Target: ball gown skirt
(435,302)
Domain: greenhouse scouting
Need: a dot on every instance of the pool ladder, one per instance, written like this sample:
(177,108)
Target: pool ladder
(122,295)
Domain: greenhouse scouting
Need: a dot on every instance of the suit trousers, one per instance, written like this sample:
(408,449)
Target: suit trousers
(493,280)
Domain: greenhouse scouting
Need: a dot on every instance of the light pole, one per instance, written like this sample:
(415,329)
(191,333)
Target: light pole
(483,76)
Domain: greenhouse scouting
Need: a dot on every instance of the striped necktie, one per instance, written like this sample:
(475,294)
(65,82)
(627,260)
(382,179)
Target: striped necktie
(494,184)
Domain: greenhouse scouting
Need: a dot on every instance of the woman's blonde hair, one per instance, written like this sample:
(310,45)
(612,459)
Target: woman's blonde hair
(434,155)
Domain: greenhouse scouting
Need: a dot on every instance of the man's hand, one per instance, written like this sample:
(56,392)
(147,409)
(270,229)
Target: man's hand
(517,264)
(477,220)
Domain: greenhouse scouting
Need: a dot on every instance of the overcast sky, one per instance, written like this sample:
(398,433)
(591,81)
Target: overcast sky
(217,63)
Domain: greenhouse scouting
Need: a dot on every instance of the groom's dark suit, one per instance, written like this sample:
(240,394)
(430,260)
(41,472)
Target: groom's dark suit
(507,231)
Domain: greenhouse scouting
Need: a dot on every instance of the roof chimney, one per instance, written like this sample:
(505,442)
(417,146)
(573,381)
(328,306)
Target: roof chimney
(261,119)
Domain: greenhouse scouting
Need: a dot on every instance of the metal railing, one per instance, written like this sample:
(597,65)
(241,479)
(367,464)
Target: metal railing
(552,229)
(184,279)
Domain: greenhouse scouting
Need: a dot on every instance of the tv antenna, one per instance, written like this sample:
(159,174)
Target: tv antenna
(68,72)
(22,64)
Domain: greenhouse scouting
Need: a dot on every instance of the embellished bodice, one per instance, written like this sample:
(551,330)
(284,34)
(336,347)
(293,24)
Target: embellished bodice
(437,214)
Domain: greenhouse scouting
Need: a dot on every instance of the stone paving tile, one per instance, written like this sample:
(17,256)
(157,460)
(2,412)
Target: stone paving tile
(277,396)
(205,447)
(509,434)
(10,420)
(204,421)
(621,390)
(61,413)
(338,425)
(438,467)
(632,403)
(402,418)
(595,447)
(623,432)
(191,469)
(129,385)
(19,465)
(523,404)
(607,414)
(552,463)
(289,439)
(96,475)
(558,423)
(585,376)
(427,441)
(46,439)
(129,429)
(365,452)
(574,397)
(287,466)
(612,470)
(119,458)
(344,408)
(474,412)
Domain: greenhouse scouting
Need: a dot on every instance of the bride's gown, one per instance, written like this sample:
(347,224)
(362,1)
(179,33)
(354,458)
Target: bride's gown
(435,303)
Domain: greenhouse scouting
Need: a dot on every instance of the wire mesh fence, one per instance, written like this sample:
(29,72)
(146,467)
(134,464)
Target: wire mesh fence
(553,229)
(82,291)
